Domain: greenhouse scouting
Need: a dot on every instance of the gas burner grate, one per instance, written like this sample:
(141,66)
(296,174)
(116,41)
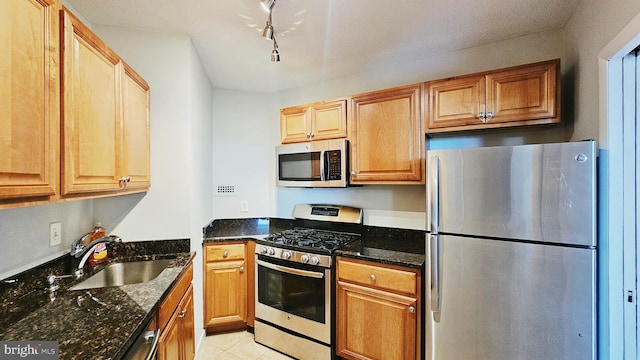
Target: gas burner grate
(311,238)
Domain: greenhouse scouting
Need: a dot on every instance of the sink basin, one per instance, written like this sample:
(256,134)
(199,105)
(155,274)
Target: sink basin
(124,273)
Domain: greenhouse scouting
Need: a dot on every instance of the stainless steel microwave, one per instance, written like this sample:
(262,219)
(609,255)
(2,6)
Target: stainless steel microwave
(322,163)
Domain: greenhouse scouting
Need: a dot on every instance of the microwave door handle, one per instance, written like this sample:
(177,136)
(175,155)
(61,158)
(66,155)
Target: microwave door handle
(323,159)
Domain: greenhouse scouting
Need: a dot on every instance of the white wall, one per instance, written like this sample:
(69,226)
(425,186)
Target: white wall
(178,205)
(593,25)
(24,233)
(244,128)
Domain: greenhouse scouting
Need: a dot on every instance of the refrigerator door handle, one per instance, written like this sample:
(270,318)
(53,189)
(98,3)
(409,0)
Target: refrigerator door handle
(434,237)
(434,194)
(434,244)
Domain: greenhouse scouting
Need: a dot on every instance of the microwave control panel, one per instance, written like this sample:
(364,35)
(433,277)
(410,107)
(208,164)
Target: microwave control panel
(335,165)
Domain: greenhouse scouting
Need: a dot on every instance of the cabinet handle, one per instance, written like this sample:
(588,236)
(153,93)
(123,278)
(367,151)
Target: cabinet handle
(124,180)
(412,309)
(241,269)
(183,313)
(225,254)
(373,277)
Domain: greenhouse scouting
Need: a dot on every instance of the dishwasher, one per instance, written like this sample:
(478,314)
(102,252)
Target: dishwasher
(146,344)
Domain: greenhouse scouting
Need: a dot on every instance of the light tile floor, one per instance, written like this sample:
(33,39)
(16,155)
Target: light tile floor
(236,346)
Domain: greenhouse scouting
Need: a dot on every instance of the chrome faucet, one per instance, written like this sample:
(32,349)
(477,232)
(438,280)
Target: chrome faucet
(78,249)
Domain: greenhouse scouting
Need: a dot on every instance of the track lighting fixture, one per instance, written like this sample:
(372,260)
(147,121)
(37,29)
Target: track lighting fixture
(268,32)
(267,5)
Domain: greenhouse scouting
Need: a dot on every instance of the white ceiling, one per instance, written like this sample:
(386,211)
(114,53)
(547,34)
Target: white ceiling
(325,39)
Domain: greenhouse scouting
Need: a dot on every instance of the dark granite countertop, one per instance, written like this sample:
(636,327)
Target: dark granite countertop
(95,323)
(230,229)
(384,245)
(388,246)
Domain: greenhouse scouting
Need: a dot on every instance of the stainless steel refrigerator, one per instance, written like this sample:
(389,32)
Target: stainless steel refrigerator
(512,252)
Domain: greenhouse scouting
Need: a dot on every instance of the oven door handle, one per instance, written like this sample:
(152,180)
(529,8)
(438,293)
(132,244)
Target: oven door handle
(311,274)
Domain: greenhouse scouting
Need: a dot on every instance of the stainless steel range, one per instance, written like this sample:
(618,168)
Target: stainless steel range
(293,280)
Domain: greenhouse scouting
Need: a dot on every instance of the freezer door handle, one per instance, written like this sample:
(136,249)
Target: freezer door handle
(436,285)
(434,194)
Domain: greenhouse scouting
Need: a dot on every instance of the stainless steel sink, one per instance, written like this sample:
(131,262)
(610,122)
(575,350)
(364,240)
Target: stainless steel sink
(124,273)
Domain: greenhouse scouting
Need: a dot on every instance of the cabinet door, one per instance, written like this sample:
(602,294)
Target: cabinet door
(455,102)
(329,120)
(295,124)
(186,328)
(135,156)
(374,324)
(169,342)
(523,94)
(29,98)
(91,117)
(225,294)
(386,137)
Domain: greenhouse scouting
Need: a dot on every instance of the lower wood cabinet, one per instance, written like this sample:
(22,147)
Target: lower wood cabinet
(176,322)
(228,301)
(378,311)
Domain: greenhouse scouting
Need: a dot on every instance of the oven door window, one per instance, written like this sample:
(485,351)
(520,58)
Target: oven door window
(300,167)
(295,294)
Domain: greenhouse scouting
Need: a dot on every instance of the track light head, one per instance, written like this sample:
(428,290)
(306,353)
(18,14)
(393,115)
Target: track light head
(275,55)
(267,5)
(267,33)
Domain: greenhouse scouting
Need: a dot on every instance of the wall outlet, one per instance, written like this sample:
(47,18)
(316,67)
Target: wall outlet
(55,234)
(244,206)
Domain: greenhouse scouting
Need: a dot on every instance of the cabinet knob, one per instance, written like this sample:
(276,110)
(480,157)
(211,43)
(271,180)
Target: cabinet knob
(225,254)
(373,277)
(490,115)
(353,173)
(412,309)
(124,180)
(312,135)
(482,115)
(241,269)
(183,313)
(308,135)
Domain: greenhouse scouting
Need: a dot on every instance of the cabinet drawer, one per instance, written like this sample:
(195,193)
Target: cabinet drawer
(224,252)
(381,277)
(173,299)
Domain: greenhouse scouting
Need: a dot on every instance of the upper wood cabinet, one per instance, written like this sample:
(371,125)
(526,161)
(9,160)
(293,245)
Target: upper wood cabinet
(385,129)
(522,95)
(317,121)
(29,99)
(135,130)
(105,119)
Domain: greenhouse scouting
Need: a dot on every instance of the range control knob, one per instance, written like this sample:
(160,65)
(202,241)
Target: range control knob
(315,260)
(271,251)
(286,255)
(263,251)
(304,258)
